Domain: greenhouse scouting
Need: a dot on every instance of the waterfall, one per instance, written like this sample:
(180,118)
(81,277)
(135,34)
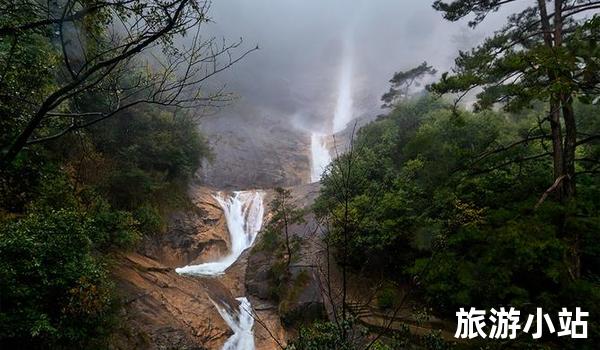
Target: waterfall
(244,212)
(344,104)
(243,337)
(320,156)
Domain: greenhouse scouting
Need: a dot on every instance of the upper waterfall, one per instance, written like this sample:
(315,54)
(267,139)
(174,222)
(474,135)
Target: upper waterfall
(319,156)
(343,115)
(343,110)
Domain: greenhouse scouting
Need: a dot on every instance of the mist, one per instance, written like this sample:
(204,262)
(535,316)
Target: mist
(320,65)
(294,76)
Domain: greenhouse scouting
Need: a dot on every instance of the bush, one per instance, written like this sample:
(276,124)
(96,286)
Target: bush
(54,291)
(388,297)
(149,219)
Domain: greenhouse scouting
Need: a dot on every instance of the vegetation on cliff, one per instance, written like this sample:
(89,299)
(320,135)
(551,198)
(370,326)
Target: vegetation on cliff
(426,206)
(492,207)
(95,152)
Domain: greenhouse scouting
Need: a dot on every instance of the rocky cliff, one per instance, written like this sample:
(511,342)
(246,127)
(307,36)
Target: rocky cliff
(196,235)
(162,309)
(254,150)
(303,301)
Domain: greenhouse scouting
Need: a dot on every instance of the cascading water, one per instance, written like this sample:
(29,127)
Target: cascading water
(343,109)
(244,211)
(320,155)
(243,337)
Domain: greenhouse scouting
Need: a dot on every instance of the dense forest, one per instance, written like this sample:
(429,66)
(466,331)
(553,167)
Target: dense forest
(497,206)
(430,213)
(82,186)
(480,190)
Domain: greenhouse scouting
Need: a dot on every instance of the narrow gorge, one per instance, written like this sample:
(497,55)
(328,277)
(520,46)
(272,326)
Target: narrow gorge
(189,287)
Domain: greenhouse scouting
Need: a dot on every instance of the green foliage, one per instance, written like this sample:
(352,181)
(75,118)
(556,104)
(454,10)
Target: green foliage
(388,297)
(149,219)
(27,65)
(155,154)
(55,292)
(523,257)
(281,246)
(427,207)
(277,235)
(322,335)
(519,65)
(83,199)
(67,205)
(434,341)
(403,81)
(113,229)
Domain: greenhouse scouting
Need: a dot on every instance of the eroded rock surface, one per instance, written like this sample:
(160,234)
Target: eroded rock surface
(252,150)
(164,310)
(194,236)
(305,302)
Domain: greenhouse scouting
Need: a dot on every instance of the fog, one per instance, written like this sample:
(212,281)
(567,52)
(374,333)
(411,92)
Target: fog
(320,64)
(294,75)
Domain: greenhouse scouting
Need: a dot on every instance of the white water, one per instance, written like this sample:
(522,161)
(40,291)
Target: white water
(244,212)
(320,156)
(243,337)
(343,109)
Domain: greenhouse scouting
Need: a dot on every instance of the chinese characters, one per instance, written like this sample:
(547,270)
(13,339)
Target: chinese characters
(505,324)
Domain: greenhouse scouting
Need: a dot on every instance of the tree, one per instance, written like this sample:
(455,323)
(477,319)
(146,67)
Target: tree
(122,52)
(56,292)
(403,81)
(538,56)
(285,214)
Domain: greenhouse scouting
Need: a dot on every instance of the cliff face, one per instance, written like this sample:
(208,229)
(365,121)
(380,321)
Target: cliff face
(303,301)
(253,150)
(165,310)
(194,236)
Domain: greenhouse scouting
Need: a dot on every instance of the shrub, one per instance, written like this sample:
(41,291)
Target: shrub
(54,291)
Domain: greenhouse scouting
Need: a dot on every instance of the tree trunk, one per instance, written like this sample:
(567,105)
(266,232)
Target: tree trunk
(570,145)
(554,114)
(563,149)
(11,152)
(569,188)
(557,149)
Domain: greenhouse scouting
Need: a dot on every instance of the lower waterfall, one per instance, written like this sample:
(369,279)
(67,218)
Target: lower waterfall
(243,337)
(244,211)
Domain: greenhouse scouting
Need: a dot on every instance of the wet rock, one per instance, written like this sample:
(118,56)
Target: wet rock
(252,150)
(257,278)
(193,236)
(164,310)
(303,301)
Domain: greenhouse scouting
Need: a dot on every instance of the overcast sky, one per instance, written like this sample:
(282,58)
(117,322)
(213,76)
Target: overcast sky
(294,75)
